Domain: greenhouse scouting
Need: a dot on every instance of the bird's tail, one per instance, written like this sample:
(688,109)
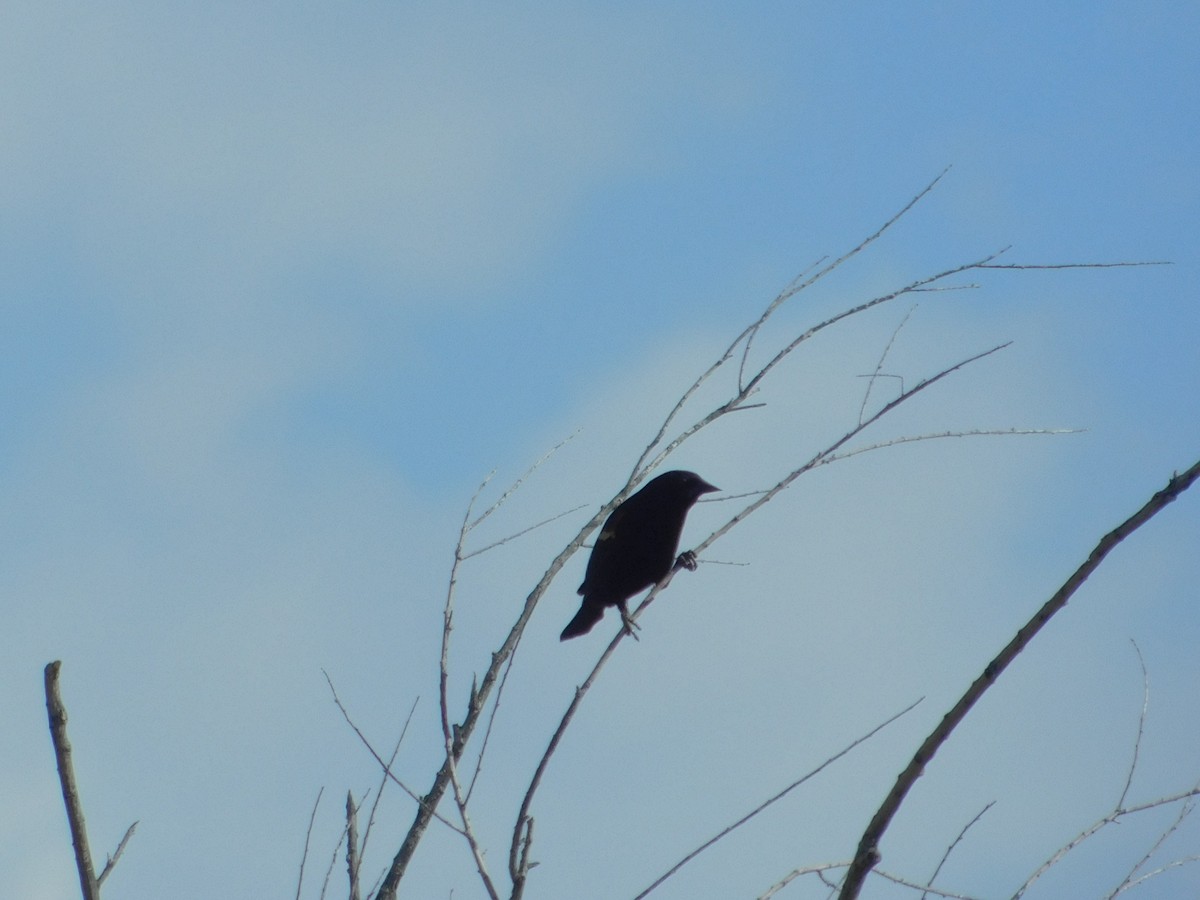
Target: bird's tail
(589,614)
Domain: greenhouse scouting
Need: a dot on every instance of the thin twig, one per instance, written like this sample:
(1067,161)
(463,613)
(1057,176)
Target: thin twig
(519,848)
(791,876)
(830,452)
(333,858)
(386,767)
(751,386)
(307,837)
(524,531)
(1185,810)
(111,861)
(641,467)
(954,843)
(56,712)
(453,748)
(512,488)
(862,409)
(774,798)
(867,855)
(821,869)
(383,780)
(1165,867)
(938,435)
(1096,826)
(1141,729)
(1108,265)
(487,731)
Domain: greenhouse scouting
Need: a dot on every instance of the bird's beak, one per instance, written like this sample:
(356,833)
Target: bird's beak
(708,488)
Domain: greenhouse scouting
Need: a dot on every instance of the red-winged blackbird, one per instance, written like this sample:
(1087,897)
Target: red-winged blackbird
(636,547)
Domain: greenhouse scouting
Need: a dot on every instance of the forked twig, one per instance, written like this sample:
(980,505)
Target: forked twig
(112,860)
(862,409)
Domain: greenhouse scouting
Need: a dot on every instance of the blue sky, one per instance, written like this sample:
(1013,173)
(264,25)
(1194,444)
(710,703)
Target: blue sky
(281,284)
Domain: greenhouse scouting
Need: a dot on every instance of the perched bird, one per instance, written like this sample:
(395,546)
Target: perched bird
(636,547)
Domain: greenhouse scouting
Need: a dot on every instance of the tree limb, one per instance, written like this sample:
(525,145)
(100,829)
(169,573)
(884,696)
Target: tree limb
(867,856)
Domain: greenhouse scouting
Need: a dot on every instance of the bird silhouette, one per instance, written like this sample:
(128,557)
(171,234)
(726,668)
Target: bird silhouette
(636,547)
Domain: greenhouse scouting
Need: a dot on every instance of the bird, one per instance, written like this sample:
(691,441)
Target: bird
(636,547)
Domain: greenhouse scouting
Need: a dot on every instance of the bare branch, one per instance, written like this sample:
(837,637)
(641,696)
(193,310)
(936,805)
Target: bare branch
(518,854)
(512,488)
(427,805)
(1096,826)
(383,780)
(451,740)
(1141,729)
(487,731)
(307,837)
(776,797)
(1107,265)
(867,855)
(1154,873)
(954,843)
(522,532)
(112,860)
(879,365)
(938,435)
(821,869)
(826,454)
(386,766)
(352,859)
(818,870)
(56,711)
(640,468)
(1185,810)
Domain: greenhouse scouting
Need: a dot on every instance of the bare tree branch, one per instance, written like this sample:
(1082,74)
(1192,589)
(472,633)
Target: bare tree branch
(56,711)
(453,748)
(307,837)
(653,455)
(386,766)
(862,409)
(954,843)
(520,838)
(352,859)
(1185,810)
(1141,729)
(112,860)
(744,390)
(1096,826)
(770,800)
(867,855)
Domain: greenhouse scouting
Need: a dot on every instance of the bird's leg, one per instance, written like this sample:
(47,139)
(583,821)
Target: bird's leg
(631,627)
(687,560)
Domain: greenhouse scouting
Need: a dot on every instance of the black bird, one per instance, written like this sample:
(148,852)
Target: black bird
(636,547)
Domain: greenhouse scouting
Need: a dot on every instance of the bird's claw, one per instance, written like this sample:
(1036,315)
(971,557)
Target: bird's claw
(631,627)
(687,560)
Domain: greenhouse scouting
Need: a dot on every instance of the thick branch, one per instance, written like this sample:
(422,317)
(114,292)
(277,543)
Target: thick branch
(867,855)
(57,714)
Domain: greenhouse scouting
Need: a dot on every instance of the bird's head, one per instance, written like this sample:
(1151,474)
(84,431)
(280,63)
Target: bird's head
(685,484)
